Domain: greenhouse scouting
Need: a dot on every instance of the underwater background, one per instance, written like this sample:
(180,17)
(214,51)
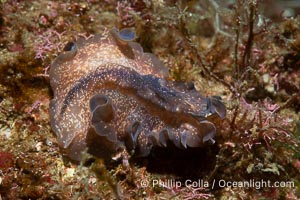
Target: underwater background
(246,52)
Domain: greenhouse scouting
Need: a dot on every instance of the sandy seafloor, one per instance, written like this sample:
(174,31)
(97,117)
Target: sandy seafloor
(246,52)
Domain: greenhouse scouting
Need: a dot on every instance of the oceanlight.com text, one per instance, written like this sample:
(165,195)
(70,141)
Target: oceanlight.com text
(257,184)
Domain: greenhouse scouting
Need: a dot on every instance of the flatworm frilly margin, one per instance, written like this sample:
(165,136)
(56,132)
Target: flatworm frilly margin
(109,94)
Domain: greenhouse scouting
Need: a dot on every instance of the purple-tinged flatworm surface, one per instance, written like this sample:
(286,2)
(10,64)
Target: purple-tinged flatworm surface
(109,95)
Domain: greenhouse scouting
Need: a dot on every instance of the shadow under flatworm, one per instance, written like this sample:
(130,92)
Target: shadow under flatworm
(190,163)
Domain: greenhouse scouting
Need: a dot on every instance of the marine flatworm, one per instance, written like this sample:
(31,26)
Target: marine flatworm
(109,94)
